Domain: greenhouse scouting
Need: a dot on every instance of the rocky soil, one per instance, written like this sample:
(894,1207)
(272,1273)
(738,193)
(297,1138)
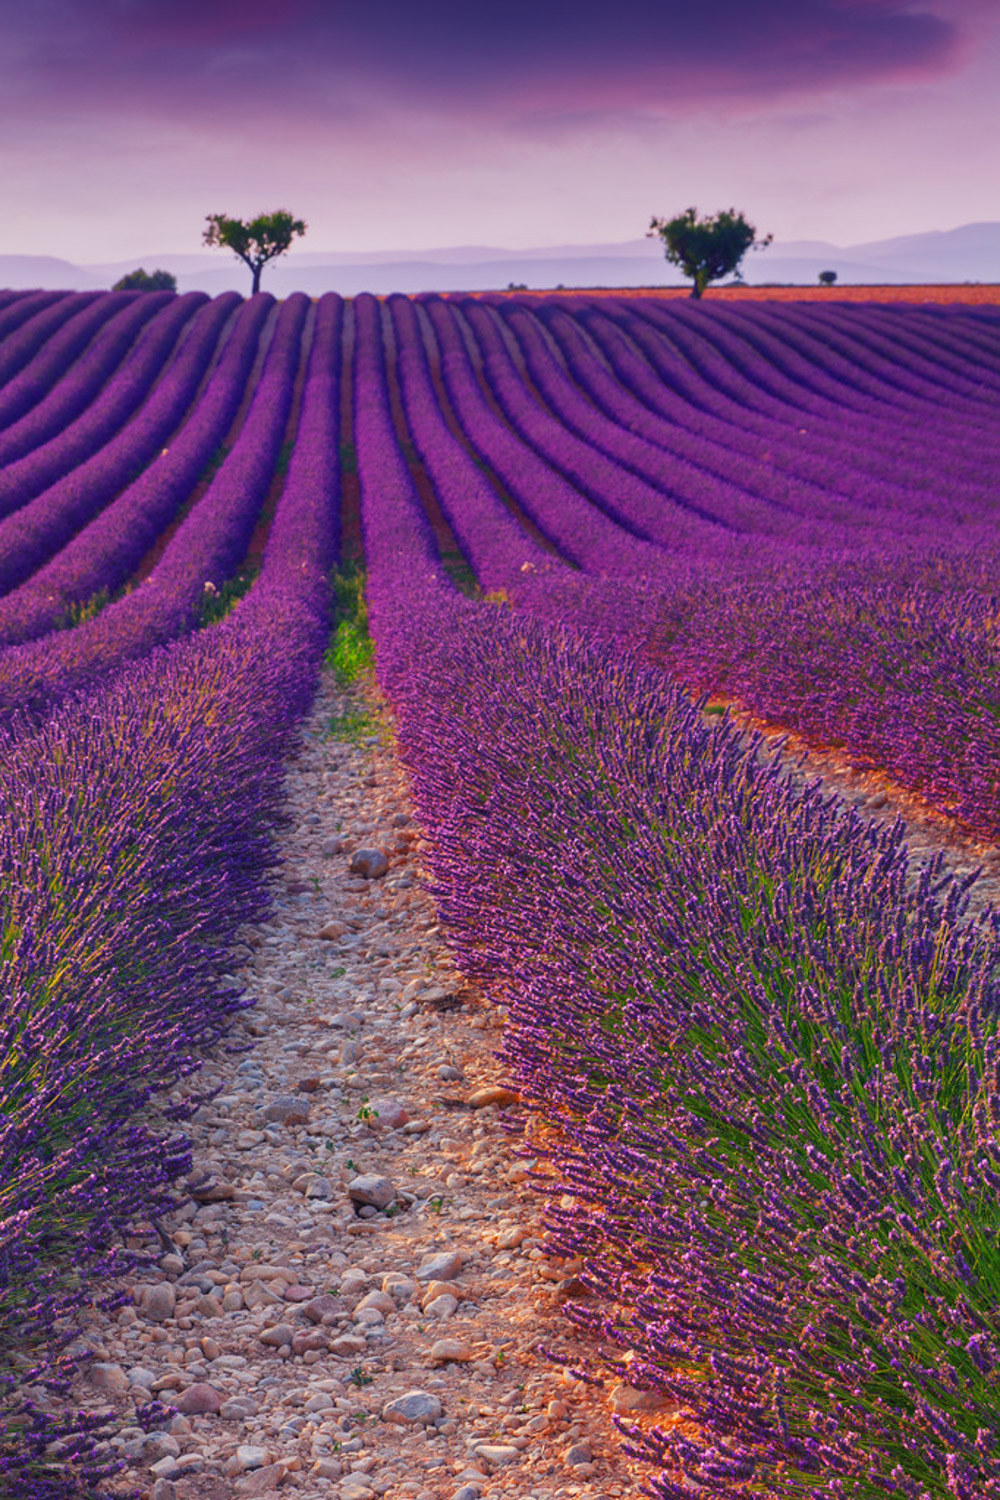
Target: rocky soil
(350,1301)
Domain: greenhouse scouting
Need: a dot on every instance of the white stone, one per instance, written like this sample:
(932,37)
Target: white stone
(413,1408)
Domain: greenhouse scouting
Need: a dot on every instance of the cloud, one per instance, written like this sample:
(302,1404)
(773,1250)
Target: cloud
(211,59)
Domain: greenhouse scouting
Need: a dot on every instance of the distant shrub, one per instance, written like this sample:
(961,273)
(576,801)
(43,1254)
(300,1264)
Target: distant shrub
(146,281)
(827,278)
(517,286)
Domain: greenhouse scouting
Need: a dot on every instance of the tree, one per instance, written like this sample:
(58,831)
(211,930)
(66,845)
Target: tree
(706,248)
(256,241)
(143,281)
(827,278)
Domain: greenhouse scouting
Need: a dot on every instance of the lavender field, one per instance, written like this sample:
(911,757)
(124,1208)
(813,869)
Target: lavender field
(767,1047)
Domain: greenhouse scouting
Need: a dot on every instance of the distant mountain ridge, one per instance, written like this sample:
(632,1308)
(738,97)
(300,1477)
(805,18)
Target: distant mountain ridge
(968,253)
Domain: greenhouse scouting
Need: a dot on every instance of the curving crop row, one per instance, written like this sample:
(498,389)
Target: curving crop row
(105,552)
(771,1056)
(770,454)
(33,533)
(52,457)
(57,387)
(726,491)
(583,533)
(152,802)
(26,324)
(207,547)
(492,539)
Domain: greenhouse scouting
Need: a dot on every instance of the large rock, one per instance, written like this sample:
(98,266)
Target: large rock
(348,1344)
(414,1409)
(287,1109)
(280,1333)
(374,1192)
(249,1456)
(108,1377)
(492,1094)
(443,1306)
(333,929)
(445,1351)
(324,1309)
(372,864)
(625,1398)
(497,1454)
(262,1481)
(238,1409)
(198,1400)
(357,1487)
(157,1303)
(381,1302)
(390,1112)
(442,1267)
(313,1185)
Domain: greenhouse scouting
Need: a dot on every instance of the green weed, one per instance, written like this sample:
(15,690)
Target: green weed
(215,603)
(352,727)
(86,609)
(350,650)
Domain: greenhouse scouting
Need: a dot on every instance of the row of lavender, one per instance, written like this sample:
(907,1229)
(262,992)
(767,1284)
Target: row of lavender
(773,1058)
(823,550)
(774,1064)
(137,839)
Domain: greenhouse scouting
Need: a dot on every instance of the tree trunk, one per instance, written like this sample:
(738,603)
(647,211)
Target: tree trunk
(256,280)
(696,287)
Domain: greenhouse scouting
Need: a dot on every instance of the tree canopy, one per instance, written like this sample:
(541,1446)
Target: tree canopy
(146,281)
(706,248)
(255,241)
(827,278)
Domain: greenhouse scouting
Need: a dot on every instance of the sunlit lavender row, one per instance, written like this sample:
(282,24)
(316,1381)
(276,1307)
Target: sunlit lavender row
(772,1053)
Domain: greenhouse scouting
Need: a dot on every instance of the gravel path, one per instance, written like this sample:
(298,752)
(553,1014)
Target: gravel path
(350,1302)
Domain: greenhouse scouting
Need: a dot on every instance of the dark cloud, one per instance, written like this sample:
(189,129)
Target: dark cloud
(509,60)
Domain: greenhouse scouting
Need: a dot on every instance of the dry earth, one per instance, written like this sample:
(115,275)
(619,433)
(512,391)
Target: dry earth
(350,1302)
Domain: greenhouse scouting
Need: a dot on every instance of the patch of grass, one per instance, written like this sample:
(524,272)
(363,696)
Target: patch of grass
(348,457)
(461,574)
(284,457)
(85,609)
(88,609)
(215,603)
(349,652)
(352,727)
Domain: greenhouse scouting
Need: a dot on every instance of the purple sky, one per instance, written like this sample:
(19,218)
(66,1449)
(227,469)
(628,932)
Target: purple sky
(416,123)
